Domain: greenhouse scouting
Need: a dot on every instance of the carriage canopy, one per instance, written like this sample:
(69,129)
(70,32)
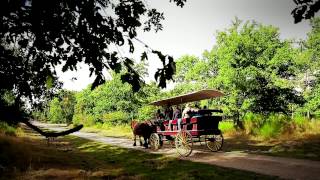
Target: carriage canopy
(190,97)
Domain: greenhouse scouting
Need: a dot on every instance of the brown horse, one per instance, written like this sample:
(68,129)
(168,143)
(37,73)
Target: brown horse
(142,129)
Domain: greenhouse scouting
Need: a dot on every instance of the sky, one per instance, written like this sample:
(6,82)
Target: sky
(192,29)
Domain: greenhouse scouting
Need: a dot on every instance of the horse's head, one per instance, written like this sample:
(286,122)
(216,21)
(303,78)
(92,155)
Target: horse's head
(133,123)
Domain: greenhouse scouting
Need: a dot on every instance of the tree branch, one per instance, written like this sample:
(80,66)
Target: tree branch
(52,134)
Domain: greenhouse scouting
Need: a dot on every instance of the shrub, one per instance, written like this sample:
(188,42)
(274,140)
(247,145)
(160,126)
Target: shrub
(39,115)
(55,112)
(268,131)
(274,126)
(253,123)
(146,113)
(85,119)
(7,130)
(300,122)
(226,126)
(116,118)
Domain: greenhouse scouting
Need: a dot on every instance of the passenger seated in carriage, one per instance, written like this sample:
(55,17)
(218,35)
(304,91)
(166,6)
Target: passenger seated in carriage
(176,115)
(159,116)
(176,112)
(185,114)
(188,112)
(168,113)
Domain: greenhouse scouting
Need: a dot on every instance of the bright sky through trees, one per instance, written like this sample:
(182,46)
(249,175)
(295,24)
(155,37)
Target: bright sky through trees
(192,29)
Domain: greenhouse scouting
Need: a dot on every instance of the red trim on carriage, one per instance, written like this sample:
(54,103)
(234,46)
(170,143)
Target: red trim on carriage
(174,122)
(194,120)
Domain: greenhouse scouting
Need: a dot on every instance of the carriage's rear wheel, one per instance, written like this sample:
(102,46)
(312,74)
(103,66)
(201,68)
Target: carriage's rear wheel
(154,141)
(184,143)
(214,142)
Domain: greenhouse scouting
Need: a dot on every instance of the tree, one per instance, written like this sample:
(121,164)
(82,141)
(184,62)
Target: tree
(37,36)
(254,69)
(310,68)
(47,34)
(113,101)
(61,108)
(306,9)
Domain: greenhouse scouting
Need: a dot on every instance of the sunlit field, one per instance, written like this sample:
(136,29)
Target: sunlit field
(70,157)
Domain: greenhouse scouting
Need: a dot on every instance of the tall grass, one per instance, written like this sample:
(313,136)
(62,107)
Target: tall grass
(227,127)
(252,123)
(6,129)
(274,126)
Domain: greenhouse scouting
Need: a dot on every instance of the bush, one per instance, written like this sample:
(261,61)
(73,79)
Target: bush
(300,122)
(39,115)
(85,119)
(227,127)
(274,126)
(253,123)
(266,127)
(146,113)
(268,131)
(55,112)
(7,130)
(116,118)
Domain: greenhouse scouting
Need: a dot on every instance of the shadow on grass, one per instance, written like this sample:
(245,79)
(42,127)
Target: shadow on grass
(135,163)
(306,147)
(72,157)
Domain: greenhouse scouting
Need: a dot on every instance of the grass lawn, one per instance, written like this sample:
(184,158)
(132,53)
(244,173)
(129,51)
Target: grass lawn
(111,131)
(302,147)
(72,157)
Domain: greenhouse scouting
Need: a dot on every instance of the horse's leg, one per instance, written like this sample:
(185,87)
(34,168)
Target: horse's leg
(145,142)
(134,140)
(140,141)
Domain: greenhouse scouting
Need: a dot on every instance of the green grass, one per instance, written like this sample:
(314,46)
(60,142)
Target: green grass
(227,127)
(76,158)
(109,130)
(9,130)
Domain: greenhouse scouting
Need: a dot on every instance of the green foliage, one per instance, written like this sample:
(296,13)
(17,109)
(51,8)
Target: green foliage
(55,111)
(226,126)
(273,126)
(269,131)
(29,61)
(254,68)
(250,64)
(301,123)
(8,98)
(117,117)
(39,115)
(253,122)
(7,129)
(114,103)
(61,108)
(146,113)
(258,72)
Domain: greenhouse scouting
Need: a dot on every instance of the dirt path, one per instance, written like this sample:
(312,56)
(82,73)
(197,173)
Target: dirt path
(287,168)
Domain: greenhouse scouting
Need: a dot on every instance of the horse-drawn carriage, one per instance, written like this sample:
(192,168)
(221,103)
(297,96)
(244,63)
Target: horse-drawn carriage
(201,127)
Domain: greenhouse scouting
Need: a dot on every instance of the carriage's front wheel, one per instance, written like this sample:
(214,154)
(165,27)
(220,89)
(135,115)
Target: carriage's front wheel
(154,141)
(184,143)
(214,142)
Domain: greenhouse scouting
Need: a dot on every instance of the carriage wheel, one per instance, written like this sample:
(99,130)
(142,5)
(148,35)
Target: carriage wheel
(214,142)
(184,143)
(154,141)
